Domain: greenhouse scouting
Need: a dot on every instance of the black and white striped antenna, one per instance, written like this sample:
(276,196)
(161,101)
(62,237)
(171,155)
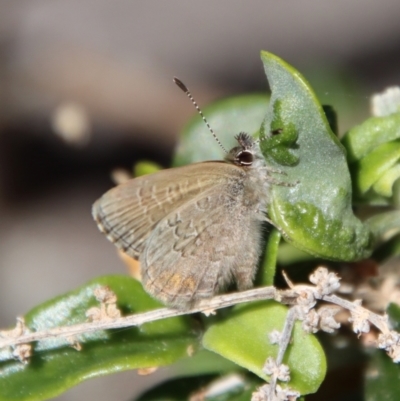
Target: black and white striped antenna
(182,86)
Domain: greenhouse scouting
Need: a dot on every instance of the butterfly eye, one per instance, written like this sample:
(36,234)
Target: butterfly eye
(245,158)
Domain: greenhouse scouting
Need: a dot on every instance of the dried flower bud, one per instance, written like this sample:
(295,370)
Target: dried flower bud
(311,321)
(275,336)
(326,282)
(360,319)
(327,321)
(105,295)
(269,366)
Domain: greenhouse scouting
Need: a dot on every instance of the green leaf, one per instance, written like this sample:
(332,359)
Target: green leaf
(364,138)
(382,378)
(243,338)
(384,185)
(227,117)
(315,214)
(55,366)
(372,167)
(373,154)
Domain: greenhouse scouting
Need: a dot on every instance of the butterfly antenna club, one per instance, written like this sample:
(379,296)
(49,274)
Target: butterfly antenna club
(184,88)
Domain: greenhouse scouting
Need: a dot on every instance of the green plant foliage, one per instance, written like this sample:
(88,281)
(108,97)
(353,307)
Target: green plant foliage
(364,138)
(55,366)
(243,338)
(315,214)
(373,169)
(227,117)
(373,153)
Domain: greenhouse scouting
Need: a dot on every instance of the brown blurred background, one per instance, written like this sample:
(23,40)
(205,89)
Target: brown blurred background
(85,86)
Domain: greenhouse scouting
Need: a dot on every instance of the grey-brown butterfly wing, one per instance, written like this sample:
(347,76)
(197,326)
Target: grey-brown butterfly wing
(128,213)
(204,244)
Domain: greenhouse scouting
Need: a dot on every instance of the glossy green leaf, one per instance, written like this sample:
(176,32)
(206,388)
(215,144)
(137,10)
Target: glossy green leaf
(384,185)
(55,366)
(373,154)
(364,138)
(227,117)
(382,378)
(316,213)
(371,168)
(243,338)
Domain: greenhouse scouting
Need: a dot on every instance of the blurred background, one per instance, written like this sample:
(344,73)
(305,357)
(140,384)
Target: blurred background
(86,86)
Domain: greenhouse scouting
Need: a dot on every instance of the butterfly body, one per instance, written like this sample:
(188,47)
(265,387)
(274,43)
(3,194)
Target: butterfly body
(194,229)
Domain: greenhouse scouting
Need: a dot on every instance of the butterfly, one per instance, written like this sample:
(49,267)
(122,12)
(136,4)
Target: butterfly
(194,229)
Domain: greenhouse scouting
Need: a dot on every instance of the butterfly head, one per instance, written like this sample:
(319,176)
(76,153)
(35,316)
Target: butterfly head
(246,153)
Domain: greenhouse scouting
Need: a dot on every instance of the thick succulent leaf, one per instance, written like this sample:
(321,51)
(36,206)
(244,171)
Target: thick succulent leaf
(382,378)
(55,366)
(243,338)
(373,154)
(373,166)
(385,184)
(316,212)
(227,117)
(364,138)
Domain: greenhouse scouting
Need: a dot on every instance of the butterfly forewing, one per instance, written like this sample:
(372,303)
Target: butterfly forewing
(129,213)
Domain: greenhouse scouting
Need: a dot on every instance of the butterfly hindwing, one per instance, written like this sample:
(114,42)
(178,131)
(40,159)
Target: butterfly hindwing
(191,254)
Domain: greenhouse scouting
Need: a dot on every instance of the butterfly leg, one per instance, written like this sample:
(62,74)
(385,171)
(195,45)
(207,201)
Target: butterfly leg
(282,183)
(275,170)
(269,221)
